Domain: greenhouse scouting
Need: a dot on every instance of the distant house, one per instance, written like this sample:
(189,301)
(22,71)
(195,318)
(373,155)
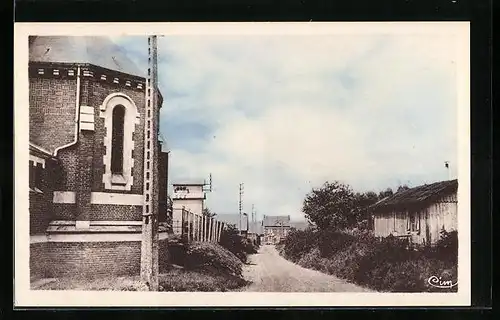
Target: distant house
(275,228)
(418,214)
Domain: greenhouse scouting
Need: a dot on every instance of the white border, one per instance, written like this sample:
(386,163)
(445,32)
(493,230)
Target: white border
(25,297)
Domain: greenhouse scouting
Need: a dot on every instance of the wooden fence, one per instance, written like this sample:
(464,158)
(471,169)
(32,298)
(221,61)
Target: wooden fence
(194,227)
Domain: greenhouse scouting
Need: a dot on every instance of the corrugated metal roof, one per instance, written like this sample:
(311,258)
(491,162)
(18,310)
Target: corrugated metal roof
(416,195)
(100,51)
(270,221)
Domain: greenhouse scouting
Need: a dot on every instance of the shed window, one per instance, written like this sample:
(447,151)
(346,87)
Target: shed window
(35,176)
(32,175)
(414,222)
(117,140)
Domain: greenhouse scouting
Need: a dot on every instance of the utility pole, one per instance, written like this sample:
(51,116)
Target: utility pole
(241,203)
(253,224)
(149,246)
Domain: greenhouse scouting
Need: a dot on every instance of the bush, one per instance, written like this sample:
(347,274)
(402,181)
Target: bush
(332,241)
(235,243)
(446,247)
(212,257)
(298,242)
(385,265)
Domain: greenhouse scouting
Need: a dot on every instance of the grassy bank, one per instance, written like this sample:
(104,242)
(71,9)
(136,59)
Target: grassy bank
(386,265)
(197,267)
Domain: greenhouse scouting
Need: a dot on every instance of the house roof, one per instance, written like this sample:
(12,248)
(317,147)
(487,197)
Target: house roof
(270,221)
(96,50)
(417,195)
(300,225)
(189,184)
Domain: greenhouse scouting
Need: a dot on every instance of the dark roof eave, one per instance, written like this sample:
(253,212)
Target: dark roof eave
(90,65)
(41,153)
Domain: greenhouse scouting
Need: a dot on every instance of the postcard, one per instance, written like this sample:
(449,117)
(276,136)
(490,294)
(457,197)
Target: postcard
(242,164)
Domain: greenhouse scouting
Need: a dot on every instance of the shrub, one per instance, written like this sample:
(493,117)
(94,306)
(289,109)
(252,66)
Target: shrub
(235,243)
(212,257)
(333,241)
(299,242)
(385,265)
(446,248)
(311,259)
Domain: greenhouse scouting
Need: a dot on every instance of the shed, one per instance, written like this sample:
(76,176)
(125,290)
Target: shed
(419,213)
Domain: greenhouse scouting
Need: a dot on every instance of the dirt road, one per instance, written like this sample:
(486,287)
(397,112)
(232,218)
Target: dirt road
(269,272)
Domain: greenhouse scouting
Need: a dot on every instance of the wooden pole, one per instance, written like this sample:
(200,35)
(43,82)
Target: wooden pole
(195,228)
(149,245)
(203,228)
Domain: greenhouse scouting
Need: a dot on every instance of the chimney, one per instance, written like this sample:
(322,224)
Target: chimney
(448,171)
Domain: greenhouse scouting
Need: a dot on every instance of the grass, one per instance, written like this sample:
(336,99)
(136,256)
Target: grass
(173,280)
(207,267)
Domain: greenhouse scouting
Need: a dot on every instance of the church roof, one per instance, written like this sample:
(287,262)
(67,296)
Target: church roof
(96,50)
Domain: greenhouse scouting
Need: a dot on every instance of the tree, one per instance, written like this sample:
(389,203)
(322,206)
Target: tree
(387,193)
(207,213)
(402,188)
(331,206)
(361,212)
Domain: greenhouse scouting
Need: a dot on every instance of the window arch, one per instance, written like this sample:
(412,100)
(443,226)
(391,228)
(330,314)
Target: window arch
(120,119)
(117,139)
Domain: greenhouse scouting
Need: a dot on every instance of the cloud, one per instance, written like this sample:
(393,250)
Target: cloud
(284,114)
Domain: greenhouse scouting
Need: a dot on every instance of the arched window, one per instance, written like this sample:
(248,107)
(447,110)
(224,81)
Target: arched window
(120,120)
(117,140)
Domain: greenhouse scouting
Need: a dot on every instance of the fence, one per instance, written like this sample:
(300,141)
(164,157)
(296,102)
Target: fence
(194,227)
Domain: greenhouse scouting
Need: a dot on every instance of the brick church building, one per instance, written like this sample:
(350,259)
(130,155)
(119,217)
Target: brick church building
(86,164)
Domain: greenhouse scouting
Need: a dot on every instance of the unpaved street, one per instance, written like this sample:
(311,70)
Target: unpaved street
(269,272)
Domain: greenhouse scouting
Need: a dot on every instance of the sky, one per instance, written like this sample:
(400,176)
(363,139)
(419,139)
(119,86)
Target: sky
(284,114)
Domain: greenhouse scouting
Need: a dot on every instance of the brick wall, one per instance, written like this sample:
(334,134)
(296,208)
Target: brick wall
(99,212)
(52,111)
(98,91)
(115,212)
(40,213)
(64,211)
(52,114)
(40,204)
(40,262)
(69,169)
(88,259)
